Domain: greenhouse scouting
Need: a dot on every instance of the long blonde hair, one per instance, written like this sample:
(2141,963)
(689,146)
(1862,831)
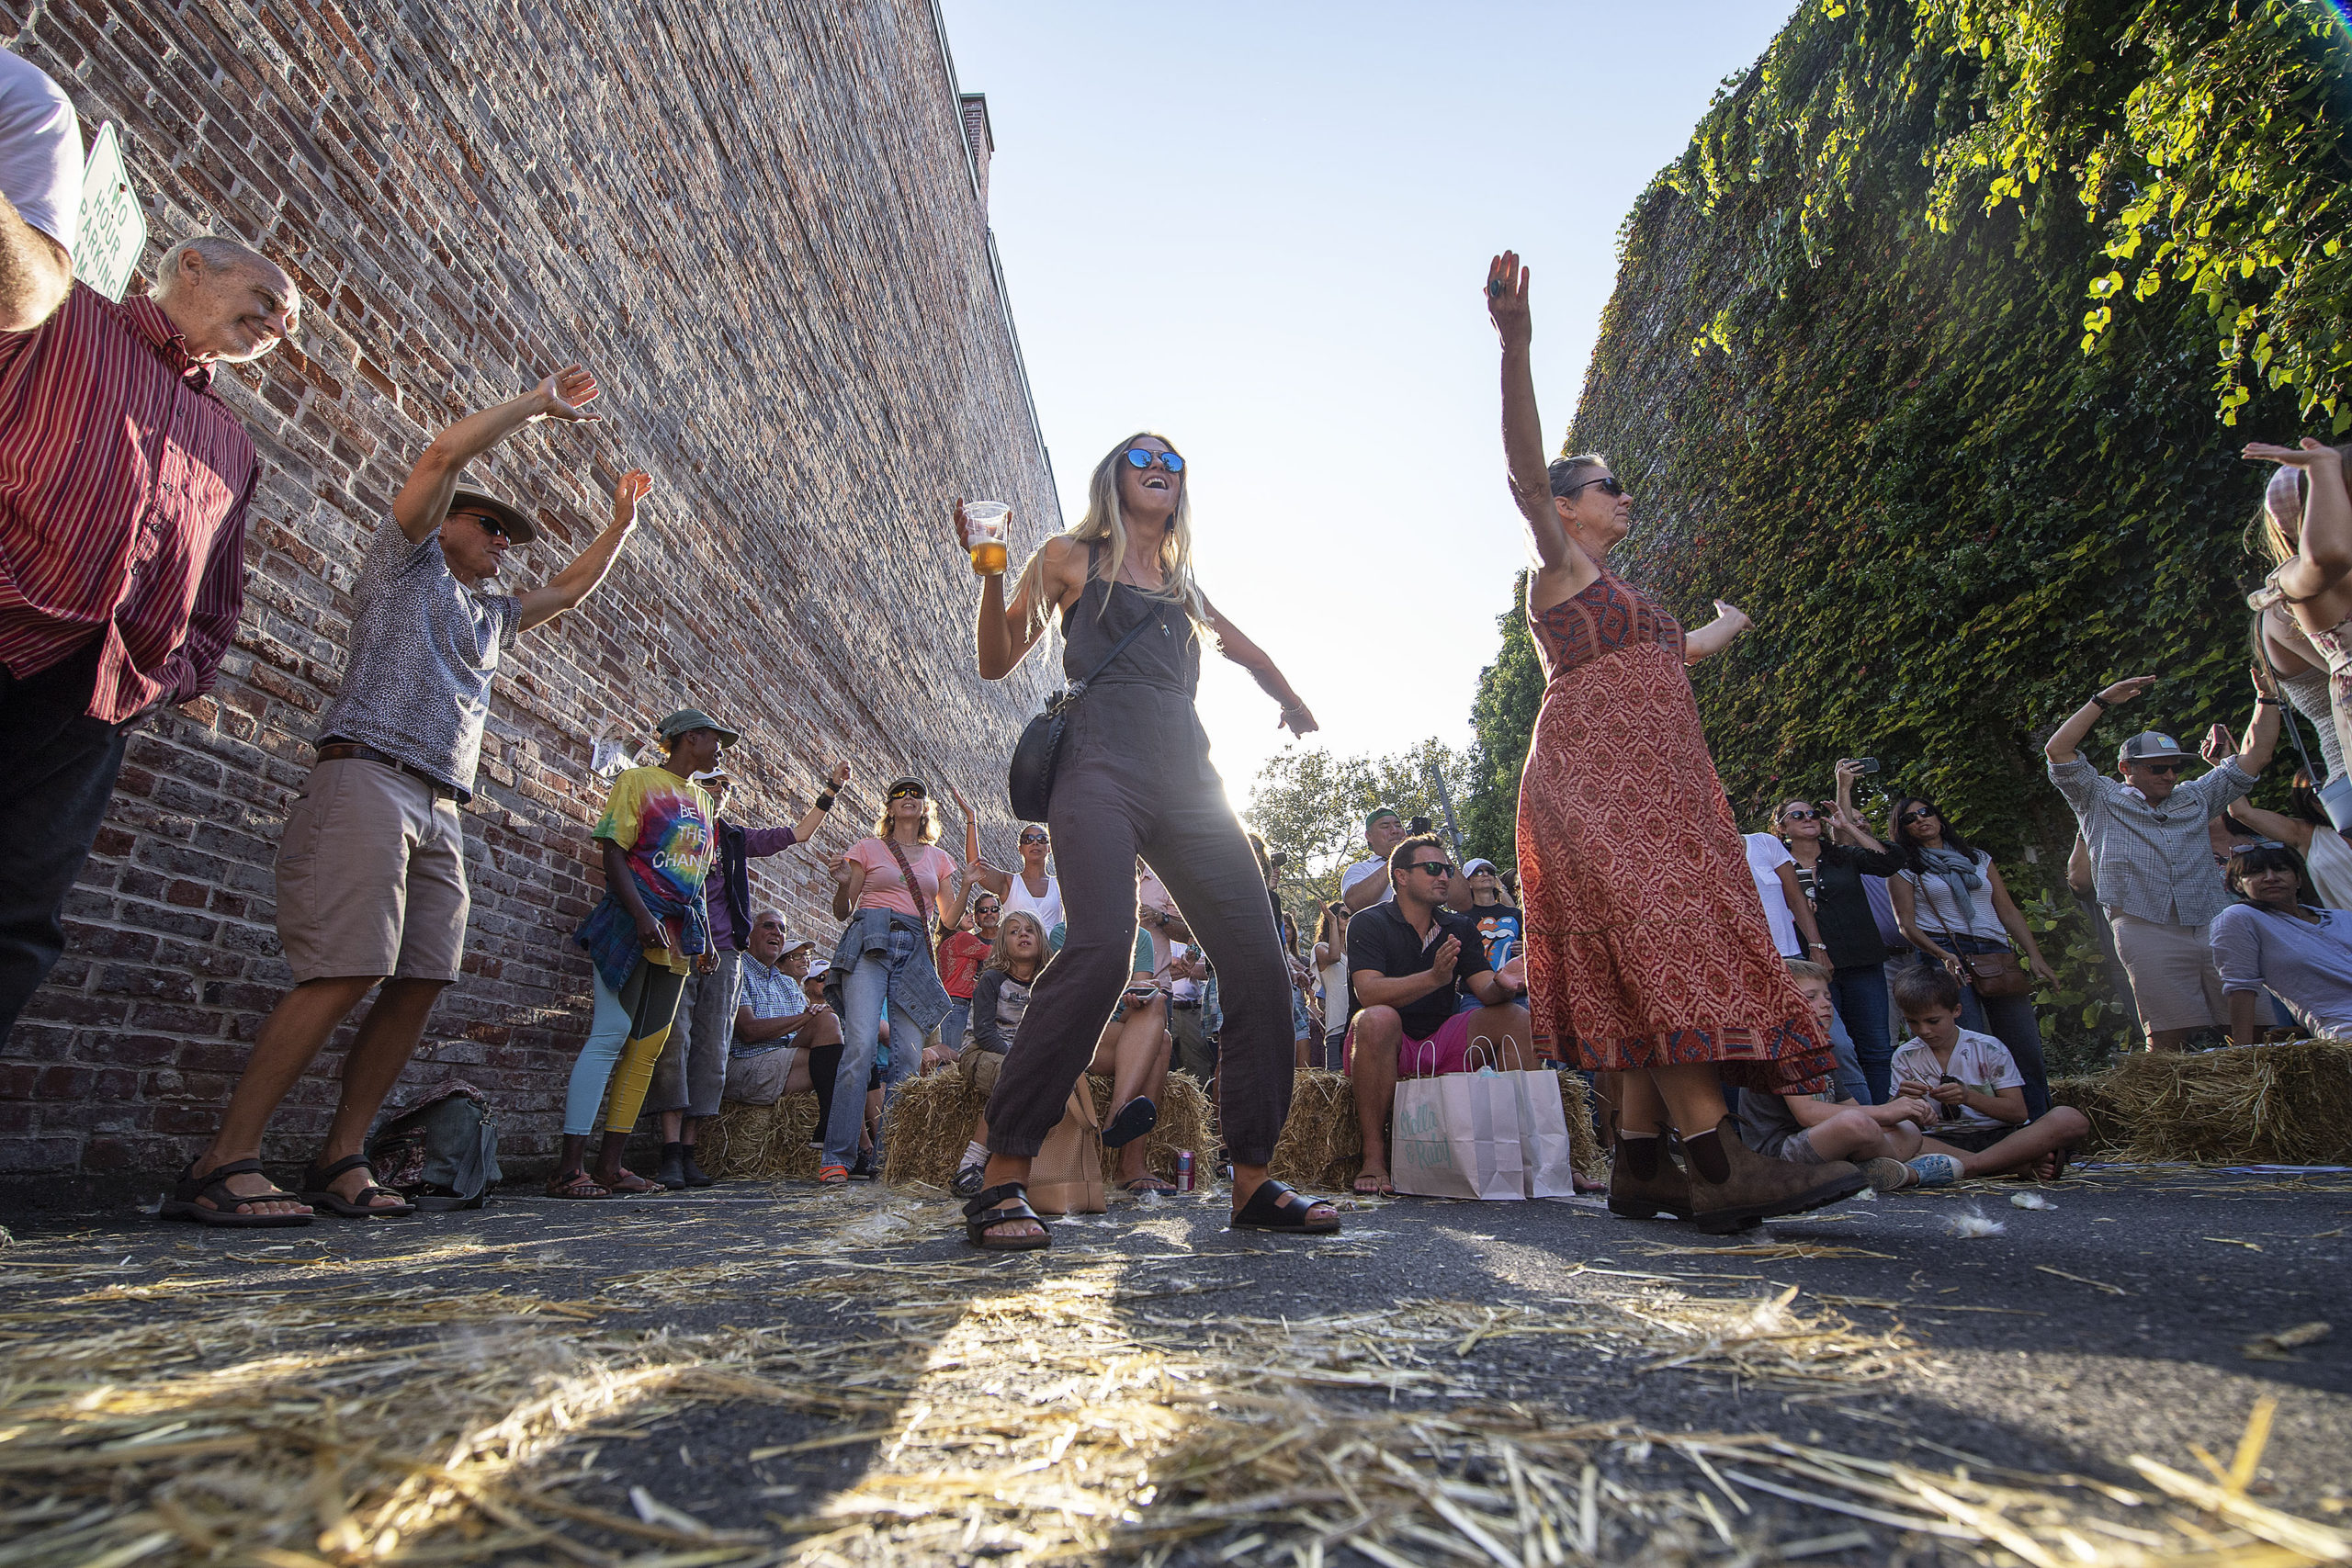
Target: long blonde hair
(1105,522)
(1001,955)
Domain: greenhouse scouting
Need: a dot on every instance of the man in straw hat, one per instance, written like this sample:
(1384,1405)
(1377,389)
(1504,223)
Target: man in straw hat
(371,877)
(2151,856)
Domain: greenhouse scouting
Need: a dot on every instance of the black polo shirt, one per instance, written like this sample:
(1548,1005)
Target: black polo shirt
(1381,939)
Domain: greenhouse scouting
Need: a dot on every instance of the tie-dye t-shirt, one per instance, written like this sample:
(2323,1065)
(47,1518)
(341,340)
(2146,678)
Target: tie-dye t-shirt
(662,823)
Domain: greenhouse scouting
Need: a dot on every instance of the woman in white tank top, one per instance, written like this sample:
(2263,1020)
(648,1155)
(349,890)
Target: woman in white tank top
(2307,526)
(1030,890)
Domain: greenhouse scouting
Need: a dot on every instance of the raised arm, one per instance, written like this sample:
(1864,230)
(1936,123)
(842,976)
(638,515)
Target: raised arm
(812,822)
(2323,552)
(1716,635)
(1004,632)
(44,165)
(36,274)
(1557,555)
(2262,735)
(423,501)
(587,569)
(1260,665)
(2062,746)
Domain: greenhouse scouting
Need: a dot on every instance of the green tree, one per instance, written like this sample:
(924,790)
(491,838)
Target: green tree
(1502,719)
(1310,805)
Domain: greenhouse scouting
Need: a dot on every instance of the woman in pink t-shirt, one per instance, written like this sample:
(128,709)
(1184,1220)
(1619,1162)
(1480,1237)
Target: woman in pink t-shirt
(893,883)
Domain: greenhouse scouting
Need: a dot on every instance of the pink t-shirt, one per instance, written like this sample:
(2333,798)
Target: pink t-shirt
(886,889)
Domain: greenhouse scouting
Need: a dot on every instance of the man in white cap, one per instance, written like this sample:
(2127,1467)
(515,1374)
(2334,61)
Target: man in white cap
(372,876)
(2151,856)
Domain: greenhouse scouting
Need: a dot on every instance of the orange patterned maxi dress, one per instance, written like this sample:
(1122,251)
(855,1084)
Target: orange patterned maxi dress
(1646,945)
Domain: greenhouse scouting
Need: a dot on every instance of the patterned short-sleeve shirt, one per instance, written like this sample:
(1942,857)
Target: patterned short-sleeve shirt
(1978,1061)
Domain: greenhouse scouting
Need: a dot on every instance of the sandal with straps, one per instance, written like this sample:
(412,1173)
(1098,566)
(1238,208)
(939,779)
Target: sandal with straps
(318,1195)
(1276,1206)
(188,1194)
(986,1210)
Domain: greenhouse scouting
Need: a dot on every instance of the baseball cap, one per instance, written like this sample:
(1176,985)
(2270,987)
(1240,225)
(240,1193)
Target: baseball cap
(1376,813)
(1476,866)
(678,723)
(816,965)
(793,945)
(2149,746)
(517,527)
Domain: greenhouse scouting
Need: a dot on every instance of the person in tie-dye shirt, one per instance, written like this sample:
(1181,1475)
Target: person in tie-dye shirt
(649,933)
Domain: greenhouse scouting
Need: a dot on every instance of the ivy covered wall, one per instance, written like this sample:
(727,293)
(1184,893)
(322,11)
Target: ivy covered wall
(1870,376)
(1933,352)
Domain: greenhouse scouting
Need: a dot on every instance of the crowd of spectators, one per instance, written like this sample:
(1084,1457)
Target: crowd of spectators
(119,591)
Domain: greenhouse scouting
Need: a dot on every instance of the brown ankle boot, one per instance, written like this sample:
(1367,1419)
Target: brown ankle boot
(1638,1197)
(1760,1187)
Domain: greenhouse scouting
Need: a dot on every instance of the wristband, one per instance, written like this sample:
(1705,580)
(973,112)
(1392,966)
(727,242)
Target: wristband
(2099,702)
(1811,945)
(825,800)
(2266,701)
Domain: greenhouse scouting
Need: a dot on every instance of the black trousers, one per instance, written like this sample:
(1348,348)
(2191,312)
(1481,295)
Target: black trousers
(1135,778)
(66,763)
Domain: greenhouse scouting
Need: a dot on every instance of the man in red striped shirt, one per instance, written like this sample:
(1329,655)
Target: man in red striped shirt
(124,479)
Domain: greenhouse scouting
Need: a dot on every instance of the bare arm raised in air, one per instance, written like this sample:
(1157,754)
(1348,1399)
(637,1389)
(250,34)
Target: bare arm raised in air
(1562,568)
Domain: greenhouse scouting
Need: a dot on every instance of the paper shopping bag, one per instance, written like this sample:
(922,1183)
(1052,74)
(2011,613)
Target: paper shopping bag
(1067,1175)
(1458,1136)
(1543,1134)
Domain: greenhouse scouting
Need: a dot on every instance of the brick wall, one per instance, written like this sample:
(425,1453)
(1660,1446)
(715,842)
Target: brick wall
(759,222)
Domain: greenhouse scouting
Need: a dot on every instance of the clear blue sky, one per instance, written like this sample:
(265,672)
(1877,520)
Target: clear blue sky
(1261,229)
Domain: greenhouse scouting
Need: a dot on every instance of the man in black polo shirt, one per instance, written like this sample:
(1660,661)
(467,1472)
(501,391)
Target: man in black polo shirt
(1412,963)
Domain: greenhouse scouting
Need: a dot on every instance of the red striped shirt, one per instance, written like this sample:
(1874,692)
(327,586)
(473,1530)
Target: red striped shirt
(124,480)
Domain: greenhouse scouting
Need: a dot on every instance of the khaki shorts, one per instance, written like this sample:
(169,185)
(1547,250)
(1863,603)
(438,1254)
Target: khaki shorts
(371,877)
(980,1068)
(759,1078)
(2173,979)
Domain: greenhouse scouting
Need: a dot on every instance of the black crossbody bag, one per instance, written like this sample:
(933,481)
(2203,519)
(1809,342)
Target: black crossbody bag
(1030,781)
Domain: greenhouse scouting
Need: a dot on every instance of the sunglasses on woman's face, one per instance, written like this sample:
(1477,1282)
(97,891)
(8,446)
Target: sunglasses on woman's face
(1800,814)
(1033,838)
(907,791)
(1140,458)
(1922,814)
(1609,483)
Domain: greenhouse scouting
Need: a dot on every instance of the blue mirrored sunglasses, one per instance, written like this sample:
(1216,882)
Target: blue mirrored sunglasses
(1138,457)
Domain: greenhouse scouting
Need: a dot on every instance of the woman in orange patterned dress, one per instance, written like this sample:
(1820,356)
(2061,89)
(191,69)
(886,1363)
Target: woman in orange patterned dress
(1647,956)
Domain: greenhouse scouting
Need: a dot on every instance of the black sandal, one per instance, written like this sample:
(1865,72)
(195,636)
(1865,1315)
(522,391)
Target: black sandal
(184,1203)
(316,1192)
(985,1210)
(1136,1118)
(1276,1206)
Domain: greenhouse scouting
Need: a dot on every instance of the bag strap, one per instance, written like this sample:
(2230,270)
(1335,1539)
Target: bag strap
(915,888)
(1077,687)
(2288,709)
(1970,978)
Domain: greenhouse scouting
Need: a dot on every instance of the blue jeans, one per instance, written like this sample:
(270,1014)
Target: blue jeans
(951,1028)
(2008,1020)
(1848,1077)
(864,992)
(1860,990)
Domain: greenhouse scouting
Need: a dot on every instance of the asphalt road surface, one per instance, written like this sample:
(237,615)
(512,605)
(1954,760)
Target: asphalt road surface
(2116,1322)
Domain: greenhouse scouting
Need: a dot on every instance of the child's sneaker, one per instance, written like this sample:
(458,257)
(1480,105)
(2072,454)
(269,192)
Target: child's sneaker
(1886,1175)
(1936,1170)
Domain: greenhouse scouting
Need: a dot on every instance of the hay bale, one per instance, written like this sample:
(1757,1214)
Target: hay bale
(930,1121)
(1322,1147)
(2288,1104)
(1185,1122)
(2090,1095)
(761,1142)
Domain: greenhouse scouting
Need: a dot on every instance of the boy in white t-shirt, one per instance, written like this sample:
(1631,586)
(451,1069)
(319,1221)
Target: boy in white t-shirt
(1980,1125)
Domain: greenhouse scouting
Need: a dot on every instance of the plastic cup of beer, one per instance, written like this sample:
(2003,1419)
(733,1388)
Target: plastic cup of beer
(984,529)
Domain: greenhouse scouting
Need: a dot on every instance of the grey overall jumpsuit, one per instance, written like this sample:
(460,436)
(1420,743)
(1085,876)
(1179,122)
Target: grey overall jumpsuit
(1134,778)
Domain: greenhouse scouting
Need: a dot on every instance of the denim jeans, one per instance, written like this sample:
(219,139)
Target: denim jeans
(1860,990)
(864,992)
(1848,1077)
(952,1027)
(2008,1020)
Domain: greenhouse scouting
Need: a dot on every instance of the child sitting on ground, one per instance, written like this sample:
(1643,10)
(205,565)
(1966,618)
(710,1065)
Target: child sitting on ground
(1000,998)
(1981,1127)
(1811,1129)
